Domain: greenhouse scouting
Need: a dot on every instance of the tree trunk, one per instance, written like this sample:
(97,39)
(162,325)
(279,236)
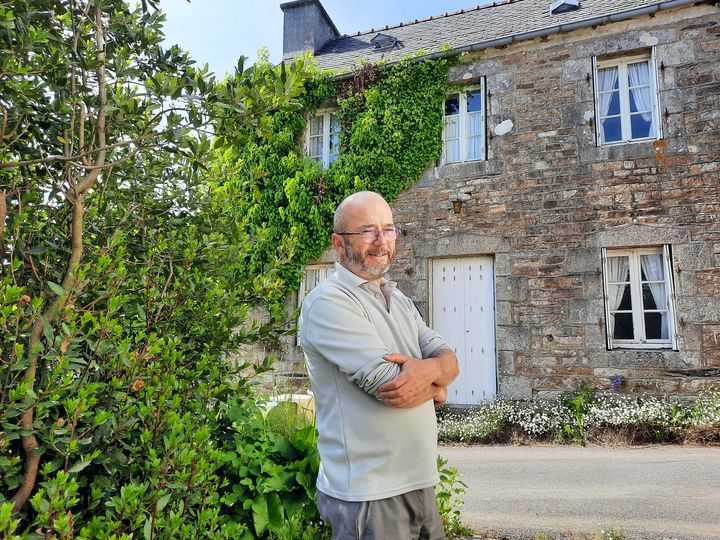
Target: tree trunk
(76,195)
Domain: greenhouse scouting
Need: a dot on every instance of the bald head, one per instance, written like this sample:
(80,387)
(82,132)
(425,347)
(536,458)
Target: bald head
(364,212)
(355,204)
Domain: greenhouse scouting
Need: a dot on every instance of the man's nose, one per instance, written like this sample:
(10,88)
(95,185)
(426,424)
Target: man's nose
(380,237)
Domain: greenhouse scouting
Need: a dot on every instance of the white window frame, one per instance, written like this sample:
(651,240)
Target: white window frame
(312,276)
(639,341)
(327,157)
(625,121)
(464,124)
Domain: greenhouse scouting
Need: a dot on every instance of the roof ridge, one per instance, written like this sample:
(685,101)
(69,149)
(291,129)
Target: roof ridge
(430,18)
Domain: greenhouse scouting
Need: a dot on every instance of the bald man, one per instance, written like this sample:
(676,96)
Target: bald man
(376,371)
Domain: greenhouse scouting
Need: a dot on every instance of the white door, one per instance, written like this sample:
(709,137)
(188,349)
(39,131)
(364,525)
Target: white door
(463,311)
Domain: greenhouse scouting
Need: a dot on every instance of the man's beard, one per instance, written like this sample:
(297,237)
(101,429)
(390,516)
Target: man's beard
(359,261)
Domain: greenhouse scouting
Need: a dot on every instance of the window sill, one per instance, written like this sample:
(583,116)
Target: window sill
(642,347)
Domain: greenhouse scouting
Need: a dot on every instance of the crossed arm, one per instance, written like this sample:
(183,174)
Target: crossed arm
(420,379)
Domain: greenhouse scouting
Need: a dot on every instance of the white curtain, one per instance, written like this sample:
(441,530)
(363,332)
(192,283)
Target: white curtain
(474,138)
(639,75)
(617,273)
(334,137)
(452,141)
(606,78)
(652,266)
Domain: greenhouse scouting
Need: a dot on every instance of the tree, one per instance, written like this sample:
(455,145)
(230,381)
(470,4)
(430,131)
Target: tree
(119,298)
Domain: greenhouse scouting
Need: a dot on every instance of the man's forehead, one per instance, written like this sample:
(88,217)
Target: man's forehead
(371,217)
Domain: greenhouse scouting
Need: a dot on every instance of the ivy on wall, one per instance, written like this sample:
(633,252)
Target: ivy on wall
(391,119)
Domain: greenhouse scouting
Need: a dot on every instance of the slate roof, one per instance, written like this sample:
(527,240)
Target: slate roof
(476,27)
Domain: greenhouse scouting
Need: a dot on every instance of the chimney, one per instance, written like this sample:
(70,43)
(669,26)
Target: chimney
(307,27)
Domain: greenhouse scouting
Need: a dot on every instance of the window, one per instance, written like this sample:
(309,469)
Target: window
(626,100)
(639,310)
(314,274)
(464,126)
(323,138)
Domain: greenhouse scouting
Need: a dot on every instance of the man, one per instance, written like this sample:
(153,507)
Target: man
(376,371)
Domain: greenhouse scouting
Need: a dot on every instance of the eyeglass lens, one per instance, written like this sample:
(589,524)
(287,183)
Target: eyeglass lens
(371,235)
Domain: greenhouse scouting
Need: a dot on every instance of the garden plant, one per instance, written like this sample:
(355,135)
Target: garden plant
(586,416)
(146,210)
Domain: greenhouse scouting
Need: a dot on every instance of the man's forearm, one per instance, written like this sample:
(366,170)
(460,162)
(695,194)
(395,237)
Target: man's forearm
(447,365)
(419,379)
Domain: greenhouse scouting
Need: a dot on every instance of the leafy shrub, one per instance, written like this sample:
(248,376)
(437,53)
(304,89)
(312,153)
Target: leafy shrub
(448,493)
(271,463)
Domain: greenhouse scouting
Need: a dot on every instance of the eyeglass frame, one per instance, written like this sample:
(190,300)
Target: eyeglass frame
(376,234)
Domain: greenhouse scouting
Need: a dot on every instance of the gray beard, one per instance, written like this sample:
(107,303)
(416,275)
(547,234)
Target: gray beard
(357,261)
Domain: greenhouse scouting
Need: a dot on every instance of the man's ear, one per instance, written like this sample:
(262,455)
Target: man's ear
(337,243)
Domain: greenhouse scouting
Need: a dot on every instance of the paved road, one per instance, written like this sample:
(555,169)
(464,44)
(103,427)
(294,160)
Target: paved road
(657,492)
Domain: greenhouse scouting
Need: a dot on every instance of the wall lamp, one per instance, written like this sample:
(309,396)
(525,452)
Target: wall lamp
(457,200)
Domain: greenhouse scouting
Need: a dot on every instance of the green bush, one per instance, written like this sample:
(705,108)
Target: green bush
(271,464)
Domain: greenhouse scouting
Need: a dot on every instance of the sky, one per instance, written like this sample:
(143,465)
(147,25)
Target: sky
(218,32)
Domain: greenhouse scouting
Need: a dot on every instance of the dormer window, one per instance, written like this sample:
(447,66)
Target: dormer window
(384,42)
(563,6)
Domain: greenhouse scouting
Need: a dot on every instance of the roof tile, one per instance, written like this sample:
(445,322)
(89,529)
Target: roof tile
(471,27)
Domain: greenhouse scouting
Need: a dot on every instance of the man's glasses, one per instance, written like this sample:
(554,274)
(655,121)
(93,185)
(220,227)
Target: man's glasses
(370,236)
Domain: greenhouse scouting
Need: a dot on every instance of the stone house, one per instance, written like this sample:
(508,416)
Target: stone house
(571,229)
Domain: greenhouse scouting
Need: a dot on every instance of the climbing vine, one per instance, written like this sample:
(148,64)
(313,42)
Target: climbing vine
(391,120)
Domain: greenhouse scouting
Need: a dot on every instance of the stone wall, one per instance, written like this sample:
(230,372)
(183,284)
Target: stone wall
(548,199)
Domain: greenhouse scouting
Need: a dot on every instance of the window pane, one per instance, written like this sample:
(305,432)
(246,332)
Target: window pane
(475,150)
(614,104)
(640,127)
(653,295)
(619,268)
(315,149)
(474,124)
(640,100)
(655,326)
(316,125)
(452,105)
(452,128)
(611,130)
(623,326)
(334,124)
(334,138)
(474,102)
(607,79)
(621,294)
(452,150)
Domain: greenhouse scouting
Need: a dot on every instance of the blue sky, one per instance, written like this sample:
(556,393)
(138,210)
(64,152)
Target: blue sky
(217,32)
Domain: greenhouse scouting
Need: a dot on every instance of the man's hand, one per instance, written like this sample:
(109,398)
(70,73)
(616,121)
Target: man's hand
(441,395)
(414,385)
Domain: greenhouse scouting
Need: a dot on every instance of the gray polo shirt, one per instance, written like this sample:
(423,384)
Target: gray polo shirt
(368,450)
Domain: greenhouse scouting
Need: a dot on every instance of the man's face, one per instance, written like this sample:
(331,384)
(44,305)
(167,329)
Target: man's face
(368,260)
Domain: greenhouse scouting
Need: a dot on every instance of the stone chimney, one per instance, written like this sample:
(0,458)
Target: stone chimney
(307,27)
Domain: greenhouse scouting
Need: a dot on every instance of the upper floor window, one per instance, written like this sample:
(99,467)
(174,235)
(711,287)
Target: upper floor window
(639,298)
(626,100)
(323,137)
(464,126)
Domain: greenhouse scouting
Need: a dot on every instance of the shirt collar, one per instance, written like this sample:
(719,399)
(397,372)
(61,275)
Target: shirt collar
(353,280)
